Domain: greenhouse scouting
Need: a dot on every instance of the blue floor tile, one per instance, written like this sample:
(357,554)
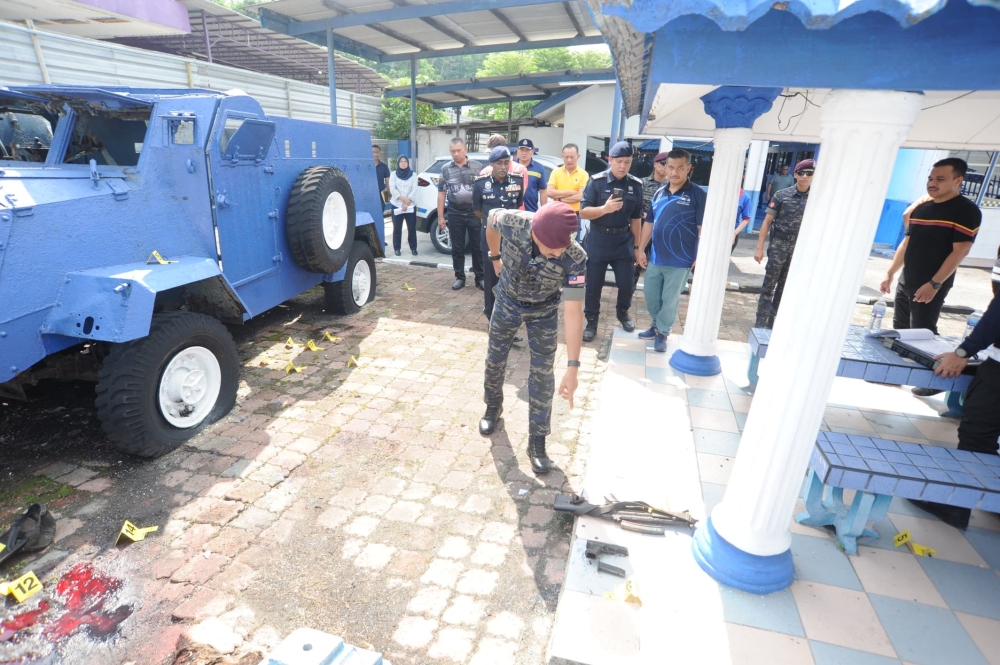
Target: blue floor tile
(661,374)
(924,634)
(829,654)
(965,588)
(885,529)
(741,420)
(712,494)
(716,443)
(775,611)
(820,560)
(986,542)
(710,399)
(625,357)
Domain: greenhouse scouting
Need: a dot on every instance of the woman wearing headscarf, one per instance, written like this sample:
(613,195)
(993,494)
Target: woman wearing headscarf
(402,187)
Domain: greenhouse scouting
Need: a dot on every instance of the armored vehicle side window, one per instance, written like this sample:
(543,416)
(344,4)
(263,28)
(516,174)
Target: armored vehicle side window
(251,141)
(182,131)
(111,138)
(24,137)
(232,124)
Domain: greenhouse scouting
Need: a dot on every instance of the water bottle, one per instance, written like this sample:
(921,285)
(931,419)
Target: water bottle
(973,322)
(878,313)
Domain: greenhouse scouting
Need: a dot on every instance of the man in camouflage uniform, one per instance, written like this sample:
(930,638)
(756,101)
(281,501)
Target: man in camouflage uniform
(537,265)
(785,212)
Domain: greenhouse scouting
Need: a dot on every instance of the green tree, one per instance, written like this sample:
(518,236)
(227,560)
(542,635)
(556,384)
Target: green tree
(395,123)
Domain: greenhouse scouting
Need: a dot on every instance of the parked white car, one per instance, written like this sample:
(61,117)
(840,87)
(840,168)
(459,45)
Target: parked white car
(427,195)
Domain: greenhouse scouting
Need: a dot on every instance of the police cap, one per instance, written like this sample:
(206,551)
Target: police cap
(498,153)
(620,149)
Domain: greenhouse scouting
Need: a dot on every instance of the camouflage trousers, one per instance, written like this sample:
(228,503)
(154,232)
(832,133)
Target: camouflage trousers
(542,323)
(779,257)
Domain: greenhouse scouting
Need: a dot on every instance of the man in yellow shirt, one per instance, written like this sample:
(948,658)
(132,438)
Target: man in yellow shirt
(566,182)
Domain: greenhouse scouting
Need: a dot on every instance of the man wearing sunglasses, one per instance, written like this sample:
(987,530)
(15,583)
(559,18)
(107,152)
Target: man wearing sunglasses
(784,213)
(650,185)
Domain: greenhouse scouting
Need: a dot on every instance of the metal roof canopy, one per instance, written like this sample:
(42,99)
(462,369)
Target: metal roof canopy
(495,89)
(432,29)
(219,34)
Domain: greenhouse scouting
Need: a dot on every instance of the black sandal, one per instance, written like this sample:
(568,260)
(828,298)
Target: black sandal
(33,531)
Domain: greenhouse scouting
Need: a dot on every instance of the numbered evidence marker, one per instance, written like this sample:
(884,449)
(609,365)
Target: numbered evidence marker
(901,537)
(290,343)
(311,345)
(330,338)
(292,367)
(353,361)
(24,587)
(155,257)
(134,533)
(407,286)
(628,592)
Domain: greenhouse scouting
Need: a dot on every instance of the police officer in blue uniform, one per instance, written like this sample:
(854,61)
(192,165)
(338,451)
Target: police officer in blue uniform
(612,201)
(538,264)
(498,189)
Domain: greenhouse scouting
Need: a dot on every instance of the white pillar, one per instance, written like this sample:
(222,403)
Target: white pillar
(861,133)
(708,289)
(756,162)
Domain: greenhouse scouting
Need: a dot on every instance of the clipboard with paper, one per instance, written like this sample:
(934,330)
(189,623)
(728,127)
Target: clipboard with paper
(921,345)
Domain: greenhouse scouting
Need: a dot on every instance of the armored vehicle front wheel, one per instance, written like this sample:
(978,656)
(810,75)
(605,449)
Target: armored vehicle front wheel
(321,218)
(358,286)
(155,393)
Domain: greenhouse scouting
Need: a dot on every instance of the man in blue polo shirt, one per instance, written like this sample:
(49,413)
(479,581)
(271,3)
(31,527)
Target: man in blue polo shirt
(537,180)
(673,223)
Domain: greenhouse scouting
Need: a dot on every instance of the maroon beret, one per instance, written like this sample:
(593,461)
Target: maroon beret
(554,224)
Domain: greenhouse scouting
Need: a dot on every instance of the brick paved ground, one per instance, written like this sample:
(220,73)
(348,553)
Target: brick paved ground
(358,500)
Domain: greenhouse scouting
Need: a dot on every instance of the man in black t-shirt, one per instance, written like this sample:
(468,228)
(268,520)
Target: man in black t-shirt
(939,235)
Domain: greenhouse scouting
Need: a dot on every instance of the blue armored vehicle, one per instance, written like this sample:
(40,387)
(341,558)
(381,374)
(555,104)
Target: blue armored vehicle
(135,222)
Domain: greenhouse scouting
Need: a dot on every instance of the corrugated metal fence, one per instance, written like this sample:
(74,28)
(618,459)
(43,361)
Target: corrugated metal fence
(75,61)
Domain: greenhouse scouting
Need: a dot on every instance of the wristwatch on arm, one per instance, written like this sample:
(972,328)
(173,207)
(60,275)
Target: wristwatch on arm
(934,285)
(573,363)
(961,353)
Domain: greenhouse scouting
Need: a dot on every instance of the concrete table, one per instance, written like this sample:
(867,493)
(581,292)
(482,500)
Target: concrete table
(866,358)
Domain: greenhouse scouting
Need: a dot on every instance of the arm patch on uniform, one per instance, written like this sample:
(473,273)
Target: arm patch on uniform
(772,205)
(515,219)
(576,253)
(577,280)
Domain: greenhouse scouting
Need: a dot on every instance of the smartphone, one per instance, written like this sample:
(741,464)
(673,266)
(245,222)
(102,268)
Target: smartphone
(617,193)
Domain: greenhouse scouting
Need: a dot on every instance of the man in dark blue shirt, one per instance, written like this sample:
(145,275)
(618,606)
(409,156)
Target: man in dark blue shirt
(612,201)
(499,189)
(381,171)
(673,223)
(537,180)
(979,428)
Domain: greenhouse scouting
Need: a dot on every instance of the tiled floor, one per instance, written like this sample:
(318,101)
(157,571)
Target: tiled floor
(883,606)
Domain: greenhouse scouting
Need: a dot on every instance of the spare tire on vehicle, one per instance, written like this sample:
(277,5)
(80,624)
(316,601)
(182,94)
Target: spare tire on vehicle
(320,219)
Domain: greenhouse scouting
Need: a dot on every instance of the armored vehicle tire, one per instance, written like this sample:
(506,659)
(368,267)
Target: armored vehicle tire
(441,239)
(320,219)
(357,289)
(155,393)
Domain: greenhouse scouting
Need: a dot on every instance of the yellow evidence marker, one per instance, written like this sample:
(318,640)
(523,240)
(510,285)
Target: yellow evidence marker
(155,257)
(330,338)
(292,367)
(290,343)
(628,592)
(353,361)
(311,345)
(134,533)
(23,587)
(406,285)
(921,550)
(901,537)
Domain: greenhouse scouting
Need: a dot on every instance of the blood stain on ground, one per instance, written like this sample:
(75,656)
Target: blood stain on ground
(84,592)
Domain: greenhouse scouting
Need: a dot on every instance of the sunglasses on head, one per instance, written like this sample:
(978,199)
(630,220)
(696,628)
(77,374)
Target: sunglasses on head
(662,162)
(804,172)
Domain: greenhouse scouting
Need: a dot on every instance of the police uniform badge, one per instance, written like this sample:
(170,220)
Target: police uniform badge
(488,185)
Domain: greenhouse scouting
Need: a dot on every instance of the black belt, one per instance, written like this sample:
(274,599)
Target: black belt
(611,230)
(781,235)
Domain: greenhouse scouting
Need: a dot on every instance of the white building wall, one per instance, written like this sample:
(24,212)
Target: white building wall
(76,61)
(984,250)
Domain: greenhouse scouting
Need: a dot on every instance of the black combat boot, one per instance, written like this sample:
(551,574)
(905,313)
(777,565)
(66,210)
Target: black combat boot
(540,462)
(489,422)
(590,332)
(628,325)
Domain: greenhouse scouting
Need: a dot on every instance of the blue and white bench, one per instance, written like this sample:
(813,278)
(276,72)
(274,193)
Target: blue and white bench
(866,358)
(879,469)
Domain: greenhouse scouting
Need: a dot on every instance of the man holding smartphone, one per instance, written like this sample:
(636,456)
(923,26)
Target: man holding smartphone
(612,201)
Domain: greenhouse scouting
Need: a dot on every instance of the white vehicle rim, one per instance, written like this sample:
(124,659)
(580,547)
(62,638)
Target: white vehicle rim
(189,387)
(361,283)
(335,220)
(444,237)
